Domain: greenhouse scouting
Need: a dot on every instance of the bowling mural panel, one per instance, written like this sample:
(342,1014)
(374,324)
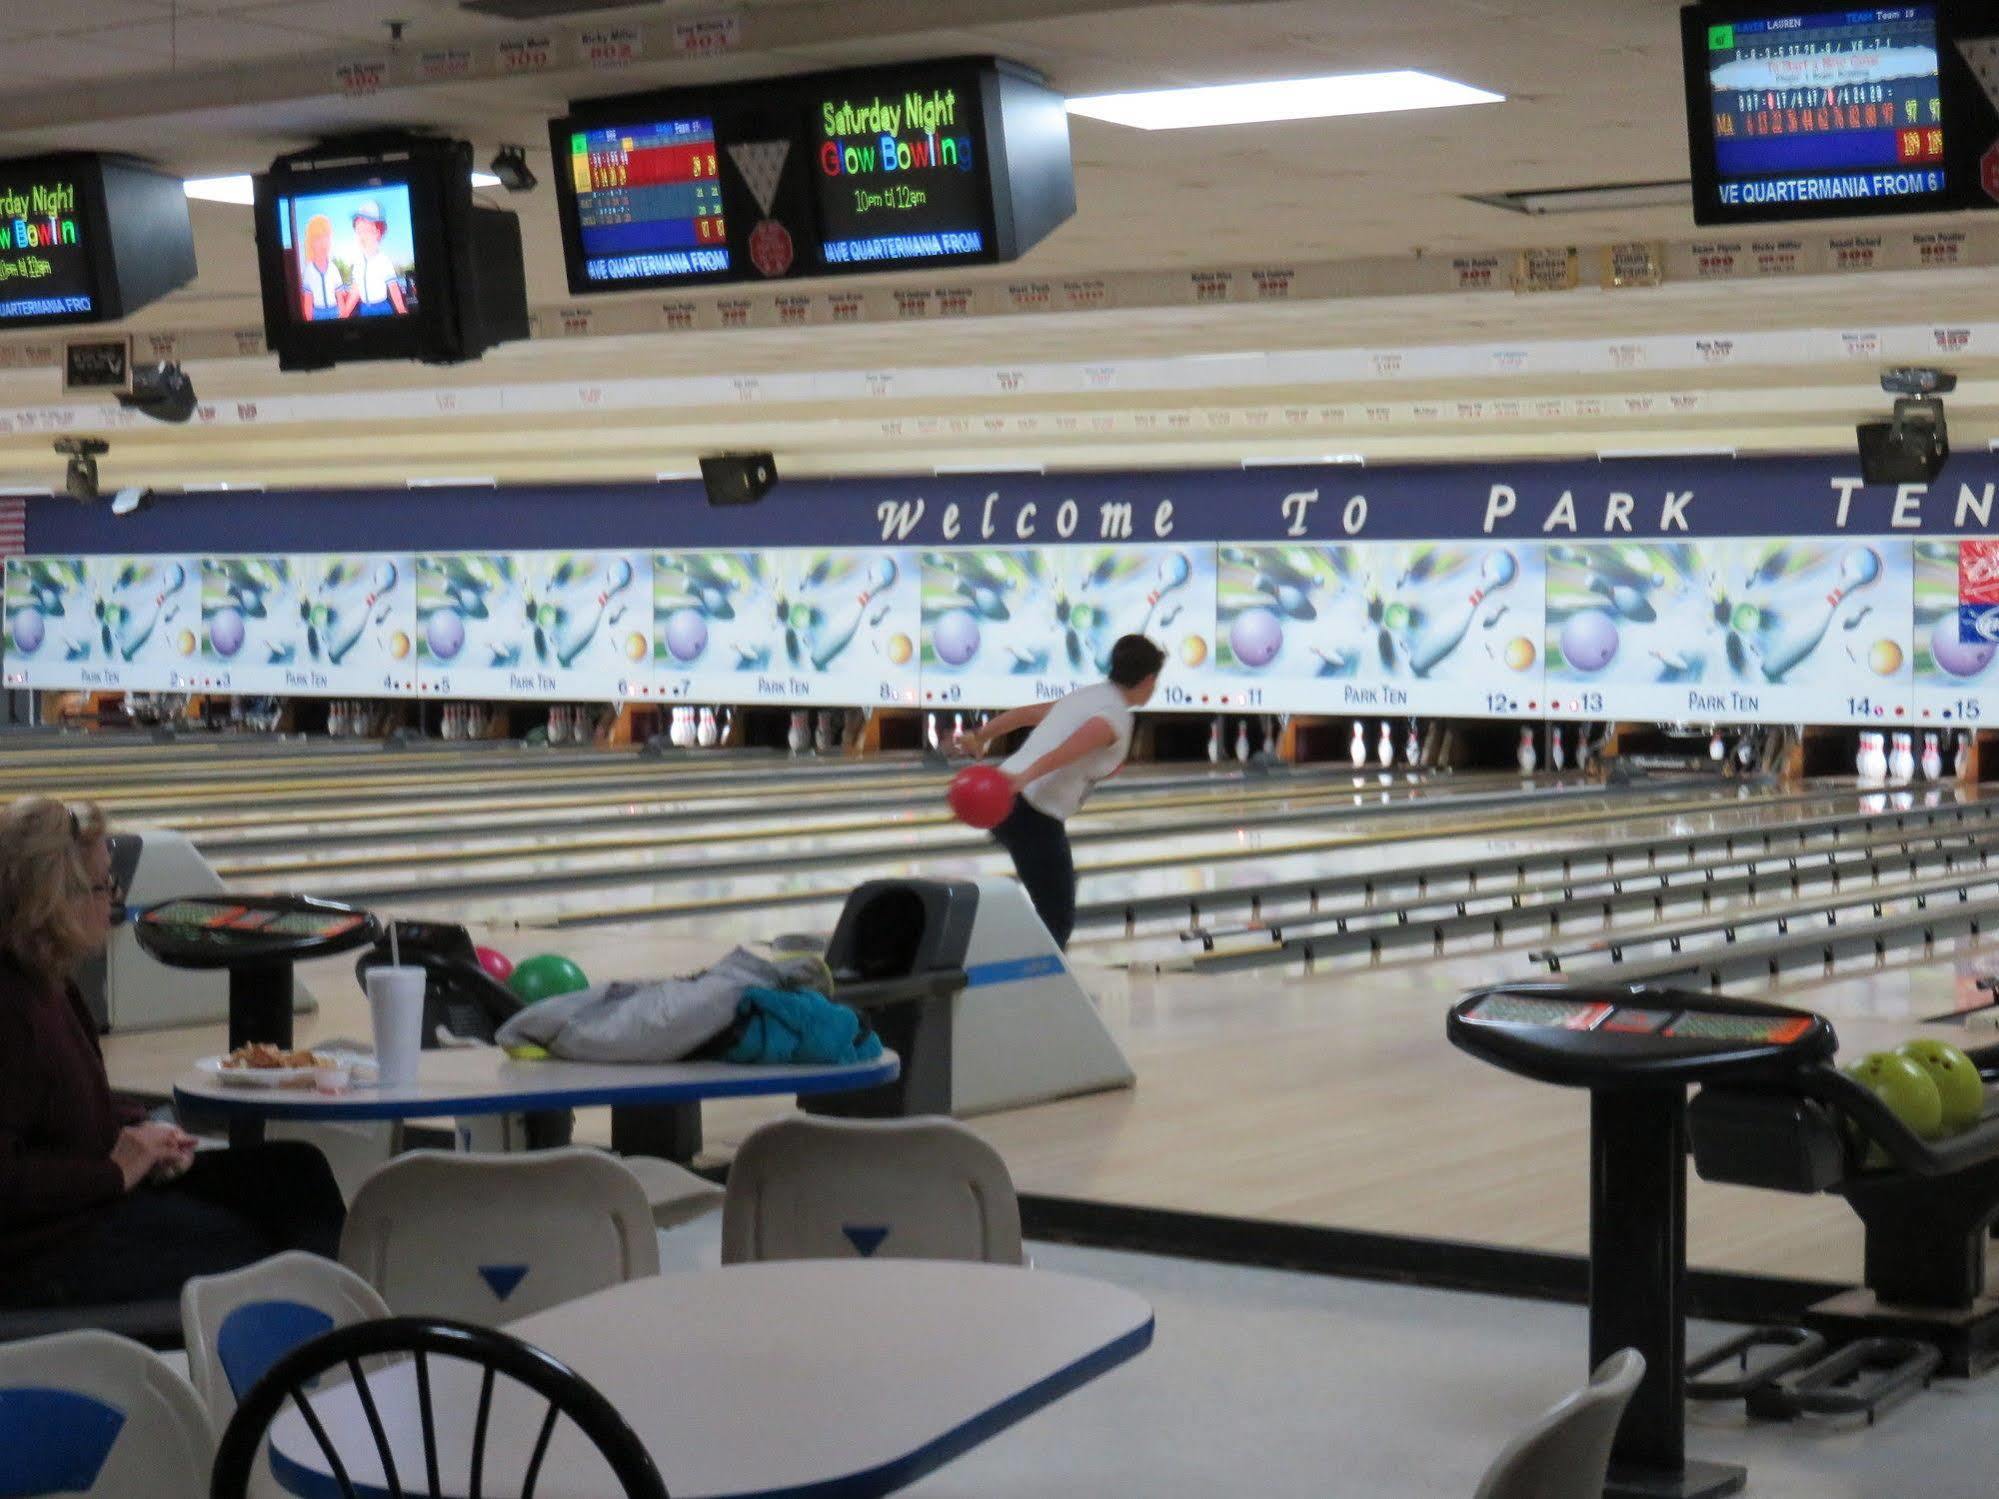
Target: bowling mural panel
(309,625)
(533,624)
(1422,628)
(831,628)
(52,637)
(1002,627)
(1806,630)
(148,614)
(1957,622)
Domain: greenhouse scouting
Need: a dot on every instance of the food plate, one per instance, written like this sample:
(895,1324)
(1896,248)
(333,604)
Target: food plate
(285,1077)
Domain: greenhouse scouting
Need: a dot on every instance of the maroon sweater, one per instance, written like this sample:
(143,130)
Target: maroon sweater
(57,1119)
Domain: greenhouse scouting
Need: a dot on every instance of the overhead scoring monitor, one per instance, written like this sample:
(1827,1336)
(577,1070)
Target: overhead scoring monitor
(648,200)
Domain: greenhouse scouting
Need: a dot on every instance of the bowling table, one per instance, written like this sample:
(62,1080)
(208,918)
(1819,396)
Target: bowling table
(788,1378)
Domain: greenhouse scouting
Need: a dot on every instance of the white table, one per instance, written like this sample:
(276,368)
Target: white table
(463,1083)
(847,1377)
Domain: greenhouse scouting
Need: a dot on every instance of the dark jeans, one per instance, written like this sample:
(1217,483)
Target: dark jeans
(233,1208)
(1040,848)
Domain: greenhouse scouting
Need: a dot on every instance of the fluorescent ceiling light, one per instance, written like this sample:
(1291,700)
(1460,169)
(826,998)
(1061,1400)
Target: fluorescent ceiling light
(1616,197)
(1611,453)
(25,491)
(668,475)
(1283,99)
(946,470)
(221,486)
(473,483)
(238,189)
(1303,460)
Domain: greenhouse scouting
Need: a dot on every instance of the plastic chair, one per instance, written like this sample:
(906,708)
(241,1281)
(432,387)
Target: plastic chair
(491,1238)
(94,1413)
(675,1194)
(494,1354)
(238,1324)
(815,1188)
(1566,1454)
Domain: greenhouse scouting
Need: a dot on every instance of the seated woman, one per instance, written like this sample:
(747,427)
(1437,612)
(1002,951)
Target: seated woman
(95,1207)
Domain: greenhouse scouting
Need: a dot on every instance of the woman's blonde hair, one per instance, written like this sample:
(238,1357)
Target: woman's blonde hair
(49,920)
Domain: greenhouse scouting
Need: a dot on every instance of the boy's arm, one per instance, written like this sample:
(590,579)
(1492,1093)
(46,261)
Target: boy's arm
(1095,735)
(976,740)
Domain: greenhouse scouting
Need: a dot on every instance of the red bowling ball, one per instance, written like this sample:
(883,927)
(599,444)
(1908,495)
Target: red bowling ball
(980,796)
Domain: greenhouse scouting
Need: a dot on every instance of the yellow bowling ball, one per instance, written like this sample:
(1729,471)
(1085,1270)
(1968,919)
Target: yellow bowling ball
(399,645)
(1885,659)
(1194,650)
(1519,653)
(184,642)
(635,646)
(900,649)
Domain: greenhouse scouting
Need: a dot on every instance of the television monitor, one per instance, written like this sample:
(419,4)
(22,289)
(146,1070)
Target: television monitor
(372,250)
(87,238)
(1804,111)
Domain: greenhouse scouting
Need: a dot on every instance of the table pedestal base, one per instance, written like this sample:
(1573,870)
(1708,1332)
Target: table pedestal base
(670,1131)
(1697,1480)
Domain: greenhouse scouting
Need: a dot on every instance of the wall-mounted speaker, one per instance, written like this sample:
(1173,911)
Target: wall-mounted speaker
(738,478)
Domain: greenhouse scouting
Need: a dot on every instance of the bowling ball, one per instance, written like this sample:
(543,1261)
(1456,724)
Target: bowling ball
(495,962)
(1885,659)
(30,629)
(1519,653)
(635,646)
(1955,655)
(225,632)
(445,633)
(1256,636)
(980,796)
(1958,1085)
(1905,1087)
(955,637)
(686,634)
(900,649)
(1589,640)
(399,645)
(1194,650)
(548,974)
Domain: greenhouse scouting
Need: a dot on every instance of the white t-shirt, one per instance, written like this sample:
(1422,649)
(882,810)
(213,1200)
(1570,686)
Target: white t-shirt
(320,284)
(373,275)
(1061,792)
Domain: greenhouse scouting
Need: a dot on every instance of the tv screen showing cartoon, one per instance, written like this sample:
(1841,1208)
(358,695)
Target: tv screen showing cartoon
(350,253)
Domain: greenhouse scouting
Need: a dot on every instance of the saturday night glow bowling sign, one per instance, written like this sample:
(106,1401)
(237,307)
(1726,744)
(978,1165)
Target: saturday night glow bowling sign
(47,267)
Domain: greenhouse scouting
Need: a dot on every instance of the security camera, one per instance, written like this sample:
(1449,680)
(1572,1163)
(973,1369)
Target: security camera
(510,165)
(1917,380)
(161,391)
(79,479)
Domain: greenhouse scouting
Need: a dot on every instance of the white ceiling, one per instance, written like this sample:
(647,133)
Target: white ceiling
(1593,90)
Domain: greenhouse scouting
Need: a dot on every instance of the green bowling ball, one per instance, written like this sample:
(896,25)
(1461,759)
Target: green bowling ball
(544,976)
(1958,1084)
(1905,1087)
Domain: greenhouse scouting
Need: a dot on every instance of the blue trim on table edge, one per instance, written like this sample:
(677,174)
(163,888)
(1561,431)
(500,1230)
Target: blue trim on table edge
(1013,970)
(307,1483)
(270,1103)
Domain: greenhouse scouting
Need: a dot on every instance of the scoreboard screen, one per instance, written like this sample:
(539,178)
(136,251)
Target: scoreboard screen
(1797,113)
(648,201)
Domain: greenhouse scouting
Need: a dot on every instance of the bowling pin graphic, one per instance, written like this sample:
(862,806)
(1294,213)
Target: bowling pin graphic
(1932,762)
(881,577)
(1496,572)
(705,731)
(575,630)
(1242,742)
(1174,571)
(1357,751)
(1384,747)
(1557,755)
(1215,742)
(1961,760)
(1859,568)
(1716,750)
(1525,756)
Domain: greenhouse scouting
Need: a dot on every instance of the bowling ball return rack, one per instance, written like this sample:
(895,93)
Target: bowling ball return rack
(1773,1112)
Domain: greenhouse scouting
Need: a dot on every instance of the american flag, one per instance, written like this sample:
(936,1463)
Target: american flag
(13,526)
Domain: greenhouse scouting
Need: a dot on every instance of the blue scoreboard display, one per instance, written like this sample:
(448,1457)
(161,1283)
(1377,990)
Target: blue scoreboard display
(1797,113)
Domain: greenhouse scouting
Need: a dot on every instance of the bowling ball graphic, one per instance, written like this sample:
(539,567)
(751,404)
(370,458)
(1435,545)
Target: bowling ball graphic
(955,637)
(184,642)
(635,646)
(1256,637)
(399,645)
(1747,619)
(686,634)
(1589,640)
(1885,659)
(1954,654)
(1519,653)
(225,632)
(444,632)
(1194,650)
(900,649)
(30,629)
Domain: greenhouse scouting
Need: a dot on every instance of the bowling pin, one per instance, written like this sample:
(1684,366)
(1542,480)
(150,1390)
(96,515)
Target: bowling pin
(1525,756)
(930,731)
(1961,761)
(1215,742)
(822,732)
(705,731)
(801,734)
(1878,761)
(1582,747)
(1716,750)
(728,731)
(1904,768)
(1357,751)
(1860,758)
(1745,752)
(957,727)
(1242,741)
(1384,748)
(1557,755)
(1412,747)
(1932,758)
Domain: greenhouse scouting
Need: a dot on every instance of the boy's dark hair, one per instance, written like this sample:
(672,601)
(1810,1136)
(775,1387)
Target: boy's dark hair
(1133,659)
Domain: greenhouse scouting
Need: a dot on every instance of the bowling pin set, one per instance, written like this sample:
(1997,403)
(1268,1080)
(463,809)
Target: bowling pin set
(1384,751)
(1891,759)
(346,719)
(817,733)
(1221,745)
(469,721)
(700,728)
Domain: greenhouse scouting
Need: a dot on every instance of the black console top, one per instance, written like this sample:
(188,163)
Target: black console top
(1607,1036)
(228,931)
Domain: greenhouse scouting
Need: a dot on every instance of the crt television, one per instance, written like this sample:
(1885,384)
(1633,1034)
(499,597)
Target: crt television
(1806,110)
(87,238)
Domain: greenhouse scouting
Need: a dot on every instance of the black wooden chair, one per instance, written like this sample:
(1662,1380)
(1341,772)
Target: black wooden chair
(360,1350)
